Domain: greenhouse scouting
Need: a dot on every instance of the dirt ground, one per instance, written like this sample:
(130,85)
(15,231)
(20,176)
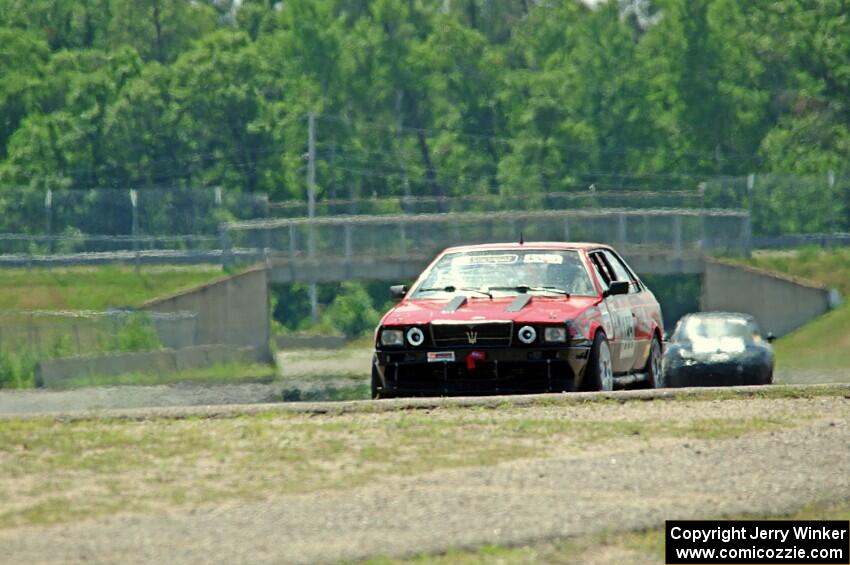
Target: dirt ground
(622,483)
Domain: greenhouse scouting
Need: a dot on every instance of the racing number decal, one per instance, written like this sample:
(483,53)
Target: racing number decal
(618,306)
(625,329)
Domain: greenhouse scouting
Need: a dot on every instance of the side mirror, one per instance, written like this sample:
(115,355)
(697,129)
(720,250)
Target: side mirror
(770,337)
(398,291)
(617,287)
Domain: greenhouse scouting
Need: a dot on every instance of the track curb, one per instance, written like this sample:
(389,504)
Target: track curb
(400,404)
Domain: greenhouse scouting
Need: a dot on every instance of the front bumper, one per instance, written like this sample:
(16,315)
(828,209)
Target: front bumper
(407,372)
(695,372)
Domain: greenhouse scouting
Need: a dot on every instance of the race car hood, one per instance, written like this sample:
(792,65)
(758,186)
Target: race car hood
(539,310)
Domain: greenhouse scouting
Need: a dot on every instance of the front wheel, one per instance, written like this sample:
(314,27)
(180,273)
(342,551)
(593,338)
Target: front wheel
(600,370)
(654,371)
(376,383)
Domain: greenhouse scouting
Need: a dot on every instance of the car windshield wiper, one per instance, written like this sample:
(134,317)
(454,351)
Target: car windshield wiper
(451,288)
(524,288)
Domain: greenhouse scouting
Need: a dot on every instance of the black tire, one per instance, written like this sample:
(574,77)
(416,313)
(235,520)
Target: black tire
(766,377)
(377,388)
(599,374)
(654,369)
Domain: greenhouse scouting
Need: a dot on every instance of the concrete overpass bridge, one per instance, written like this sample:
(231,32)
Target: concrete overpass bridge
(397,247)
(283,269)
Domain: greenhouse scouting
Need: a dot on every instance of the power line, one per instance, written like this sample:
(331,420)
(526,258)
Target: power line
(512,140)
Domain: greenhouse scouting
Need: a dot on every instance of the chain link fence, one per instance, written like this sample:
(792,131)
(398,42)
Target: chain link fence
(55,223)
(66,227)
(783,205)
(584,198)
(349,238)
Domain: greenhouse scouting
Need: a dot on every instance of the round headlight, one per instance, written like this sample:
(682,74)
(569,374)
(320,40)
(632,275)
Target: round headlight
(415,337)
(527,334)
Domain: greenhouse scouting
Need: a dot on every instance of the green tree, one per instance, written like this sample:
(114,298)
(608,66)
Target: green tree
(22,61)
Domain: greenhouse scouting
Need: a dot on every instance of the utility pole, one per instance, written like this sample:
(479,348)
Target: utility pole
(748,222)
(311,170)
(399,133)
(311,208)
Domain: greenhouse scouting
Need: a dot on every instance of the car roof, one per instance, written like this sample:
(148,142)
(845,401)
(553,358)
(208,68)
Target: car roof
(727,315)
(565,245)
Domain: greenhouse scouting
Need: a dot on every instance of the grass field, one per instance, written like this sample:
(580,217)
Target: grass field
(95,288)
(821,344)
(829,267)
(223,373)
(25,338)
(57,471)
(825,342)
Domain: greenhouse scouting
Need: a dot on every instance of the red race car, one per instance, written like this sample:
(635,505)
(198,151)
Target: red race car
(519,317)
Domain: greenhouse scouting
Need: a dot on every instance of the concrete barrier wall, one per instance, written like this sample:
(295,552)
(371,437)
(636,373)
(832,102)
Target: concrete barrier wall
(779,304)
(233,310)
(54,371)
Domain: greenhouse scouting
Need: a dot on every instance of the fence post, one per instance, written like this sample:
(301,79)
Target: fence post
(701,189)
(348,250)
(268,231)
(134,203)
(621,229)
(566,229)
(402,242)
(292,250)
(226,245)
(747,228)
(677,236)
(48,213)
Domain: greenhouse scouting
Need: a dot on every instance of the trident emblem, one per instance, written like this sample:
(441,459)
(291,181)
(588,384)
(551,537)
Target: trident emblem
(472,336)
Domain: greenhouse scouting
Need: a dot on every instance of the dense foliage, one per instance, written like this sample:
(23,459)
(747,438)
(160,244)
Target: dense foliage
(428,97)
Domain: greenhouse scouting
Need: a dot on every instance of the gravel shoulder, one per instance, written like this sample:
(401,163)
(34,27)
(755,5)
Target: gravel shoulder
(628,483)
(18,402)
(303,374)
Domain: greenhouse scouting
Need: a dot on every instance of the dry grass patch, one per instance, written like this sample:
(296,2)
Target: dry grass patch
(54,471)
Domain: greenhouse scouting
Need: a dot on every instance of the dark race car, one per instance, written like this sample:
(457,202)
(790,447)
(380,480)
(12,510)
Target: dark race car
(716,349)
(508,318)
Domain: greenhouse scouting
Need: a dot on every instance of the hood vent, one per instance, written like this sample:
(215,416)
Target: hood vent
(455,304)
(519,302)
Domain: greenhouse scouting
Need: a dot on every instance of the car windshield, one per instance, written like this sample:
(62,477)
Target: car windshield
(507,272)
(696,328)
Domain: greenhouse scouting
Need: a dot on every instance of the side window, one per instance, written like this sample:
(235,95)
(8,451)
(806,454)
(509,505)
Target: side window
(602,270)
(620,271)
